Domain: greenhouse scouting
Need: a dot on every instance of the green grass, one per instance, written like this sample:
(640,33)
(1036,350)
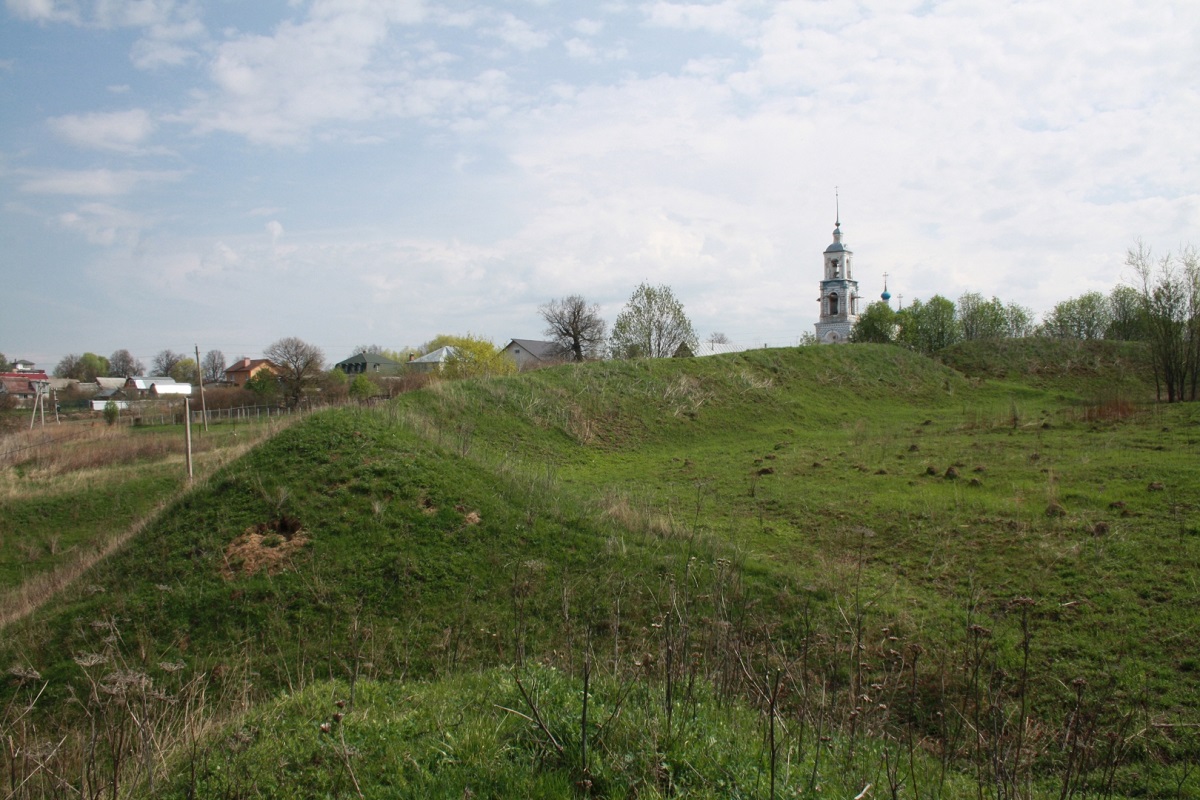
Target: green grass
(480,735)
(43,529)
(69,493)
(780,512)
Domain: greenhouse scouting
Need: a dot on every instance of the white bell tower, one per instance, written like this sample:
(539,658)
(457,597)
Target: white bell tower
(839,290)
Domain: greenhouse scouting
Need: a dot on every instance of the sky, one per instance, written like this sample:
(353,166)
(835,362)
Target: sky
(222,174)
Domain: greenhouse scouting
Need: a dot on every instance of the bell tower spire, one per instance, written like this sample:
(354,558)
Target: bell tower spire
(839,290)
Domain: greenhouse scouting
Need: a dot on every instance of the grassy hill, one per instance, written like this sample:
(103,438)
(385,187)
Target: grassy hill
(1087,369)
(916,578)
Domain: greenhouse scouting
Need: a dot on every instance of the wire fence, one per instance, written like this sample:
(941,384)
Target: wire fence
(43,436)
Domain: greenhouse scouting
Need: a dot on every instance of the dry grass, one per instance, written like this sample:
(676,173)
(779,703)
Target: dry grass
(268,547)
(74,447)
(638,517)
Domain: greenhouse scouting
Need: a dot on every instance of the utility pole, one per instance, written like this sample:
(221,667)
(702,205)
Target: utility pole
(200,375)
(187,427)
(40,388)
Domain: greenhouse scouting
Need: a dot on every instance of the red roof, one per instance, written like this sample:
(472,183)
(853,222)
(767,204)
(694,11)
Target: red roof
(248,365)
(15,384)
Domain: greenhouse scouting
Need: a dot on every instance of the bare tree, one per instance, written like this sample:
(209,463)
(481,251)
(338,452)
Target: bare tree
(68,366)
(1170,298)
(165,361)
(122,364)
(301,364)
(716,337)
(212,366)
(575,326)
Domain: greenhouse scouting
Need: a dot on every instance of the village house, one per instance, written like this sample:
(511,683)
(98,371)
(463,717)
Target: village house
(370,363)
(530,353)
(241,371)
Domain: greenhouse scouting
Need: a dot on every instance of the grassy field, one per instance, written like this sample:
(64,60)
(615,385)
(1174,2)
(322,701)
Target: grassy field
(72,493)
(897,574)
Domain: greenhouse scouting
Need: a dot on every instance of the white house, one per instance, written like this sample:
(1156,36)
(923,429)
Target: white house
(433,361)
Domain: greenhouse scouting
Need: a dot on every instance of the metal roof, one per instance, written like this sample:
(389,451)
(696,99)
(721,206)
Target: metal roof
(538,349)
(435,357)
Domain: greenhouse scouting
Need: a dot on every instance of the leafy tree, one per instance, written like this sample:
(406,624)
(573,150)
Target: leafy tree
(1019,320)
(81,368)
(1128,322)
(363,387)
(929,327)
(1085,317)
(184,370)
(165,361)
(265,386)
(301,364)
(212,366)
(122,364)
(992,319)
(877,324)
(5,364)
(473,357)
(575,326)
(334,385)
(111,412)
(981,319)
(652,325)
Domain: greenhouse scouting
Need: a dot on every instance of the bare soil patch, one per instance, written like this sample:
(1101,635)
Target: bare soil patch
(267,546)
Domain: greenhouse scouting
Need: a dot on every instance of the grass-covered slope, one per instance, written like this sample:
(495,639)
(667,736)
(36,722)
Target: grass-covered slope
(525,733)
(981,573)
(1090,370)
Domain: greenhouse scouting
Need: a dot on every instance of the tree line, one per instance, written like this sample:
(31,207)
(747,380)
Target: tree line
(87,367)
(1161,308)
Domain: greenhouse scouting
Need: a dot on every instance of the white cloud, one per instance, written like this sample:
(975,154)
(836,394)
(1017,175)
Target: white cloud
(168,44)
(728,18)
(45,10)
(121,131)
(103,224)
(275,89)
(518,34)
(95,182)
(588,27)
(104,13)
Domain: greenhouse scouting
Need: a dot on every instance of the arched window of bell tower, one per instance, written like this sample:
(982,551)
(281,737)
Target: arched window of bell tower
(833,304)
